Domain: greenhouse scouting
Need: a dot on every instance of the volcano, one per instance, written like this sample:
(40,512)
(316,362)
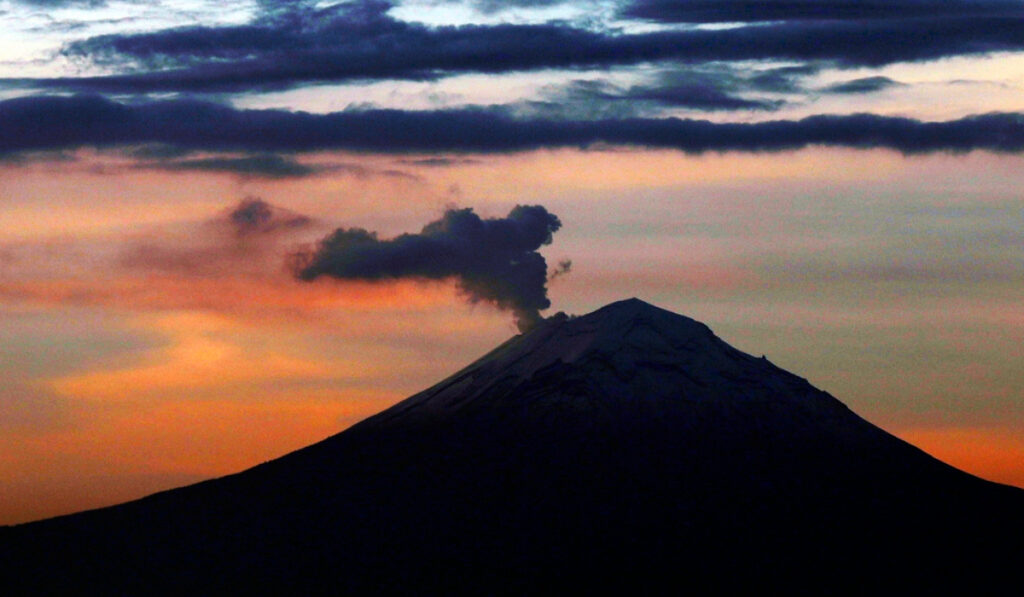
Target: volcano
(627,450)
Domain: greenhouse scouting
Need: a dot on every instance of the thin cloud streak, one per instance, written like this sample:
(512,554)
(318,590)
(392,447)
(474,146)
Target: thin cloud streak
(269,166)
(747,11)
(863,85)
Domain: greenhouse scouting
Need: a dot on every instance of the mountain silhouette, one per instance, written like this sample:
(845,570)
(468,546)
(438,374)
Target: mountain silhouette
(629,450)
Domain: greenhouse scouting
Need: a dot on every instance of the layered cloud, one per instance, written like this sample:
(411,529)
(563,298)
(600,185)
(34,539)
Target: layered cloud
(293,43)
(48,123)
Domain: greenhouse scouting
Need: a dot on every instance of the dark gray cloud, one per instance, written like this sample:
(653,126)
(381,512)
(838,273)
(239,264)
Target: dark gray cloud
(863,85)
(494,260)
(361,41)
(53,123)
(697,95)
(696,89)
(781,79)
(744,11)
(716,86)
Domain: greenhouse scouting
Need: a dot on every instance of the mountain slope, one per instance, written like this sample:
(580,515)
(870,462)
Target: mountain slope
(627,449)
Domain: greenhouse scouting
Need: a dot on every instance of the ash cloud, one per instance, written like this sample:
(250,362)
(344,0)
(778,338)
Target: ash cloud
(492,260)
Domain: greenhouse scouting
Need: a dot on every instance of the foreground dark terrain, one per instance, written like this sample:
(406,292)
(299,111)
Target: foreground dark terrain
(625,450)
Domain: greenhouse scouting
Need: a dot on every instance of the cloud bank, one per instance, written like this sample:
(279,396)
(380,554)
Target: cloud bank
(49,123)
(493,260)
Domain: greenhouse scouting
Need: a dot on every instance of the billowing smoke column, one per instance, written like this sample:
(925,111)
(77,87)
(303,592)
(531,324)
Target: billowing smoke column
(493,260)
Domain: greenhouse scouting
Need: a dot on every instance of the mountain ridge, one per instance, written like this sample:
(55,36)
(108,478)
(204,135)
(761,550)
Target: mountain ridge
(608,333)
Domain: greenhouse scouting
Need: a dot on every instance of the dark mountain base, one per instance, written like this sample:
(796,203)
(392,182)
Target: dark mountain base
(444,514)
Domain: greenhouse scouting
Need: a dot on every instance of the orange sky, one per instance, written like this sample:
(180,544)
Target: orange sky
(146,347)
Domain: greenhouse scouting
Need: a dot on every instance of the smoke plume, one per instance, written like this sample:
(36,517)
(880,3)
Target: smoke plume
(493,260)
(254,215)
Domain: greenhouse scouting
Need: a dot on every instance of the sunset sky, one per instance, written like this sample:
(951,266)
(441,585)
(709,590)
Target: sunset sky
(220,223)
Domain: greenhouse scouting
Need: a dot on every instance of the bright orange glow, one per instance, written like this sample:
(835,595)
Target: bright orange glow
(993,454)
(131,452)
(279,295)
(197,360)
